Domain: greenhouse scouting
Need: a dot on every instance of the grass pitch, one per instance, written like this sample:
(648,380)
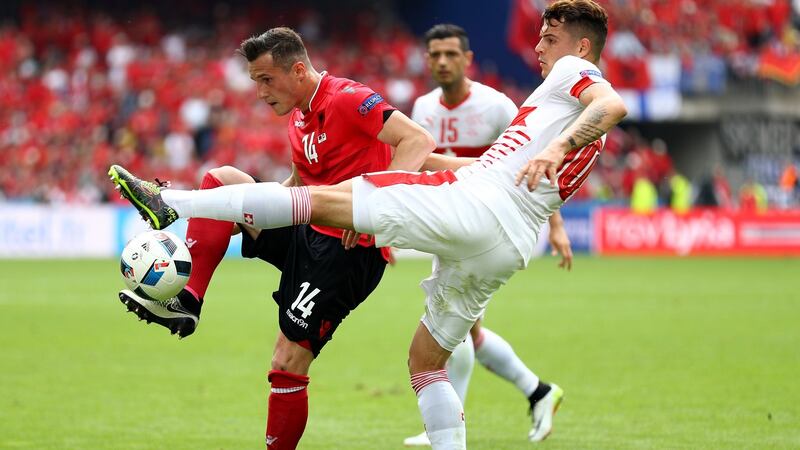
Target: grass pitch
(652,354)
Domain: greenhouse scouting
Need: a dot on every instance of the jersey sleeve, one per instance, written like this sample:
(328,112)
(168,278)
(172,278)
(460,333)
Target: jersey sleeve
(505,112)
(363,108)
(571,75)
(416,111)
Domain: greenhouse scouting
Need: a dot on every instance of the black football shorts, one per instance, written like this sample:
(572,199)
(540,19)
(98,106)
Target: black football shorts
(321,282)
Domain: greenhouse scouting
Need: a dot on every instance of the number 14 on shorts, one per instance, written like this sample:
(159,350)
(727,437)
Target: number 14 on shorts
(303,302)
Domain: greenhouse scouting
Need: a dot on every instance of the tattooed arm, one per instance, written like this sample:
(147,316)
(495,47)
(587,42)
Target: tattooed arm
(604,109)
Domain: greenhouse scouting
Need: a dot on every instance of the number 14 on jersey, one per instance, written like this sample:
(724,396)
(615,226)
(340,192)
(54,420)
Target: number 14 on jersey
(310,148)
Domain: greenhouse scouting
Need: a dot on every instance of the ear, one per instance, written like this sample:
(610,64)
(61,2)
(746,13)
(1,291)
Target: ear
(584,48)
(469,55)
(298,69)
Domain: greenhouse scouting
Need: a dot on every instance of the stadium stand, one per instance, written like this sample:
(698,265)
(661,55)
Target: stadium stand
(85,86)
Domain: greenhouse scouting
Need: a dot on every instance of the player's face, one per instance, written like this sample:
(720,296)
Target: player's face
(555,43)
(278,88)
(447,61)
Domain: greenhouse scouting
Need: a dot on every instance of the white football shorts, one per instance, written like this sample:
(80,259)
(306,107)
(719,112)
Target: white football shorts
(429,212)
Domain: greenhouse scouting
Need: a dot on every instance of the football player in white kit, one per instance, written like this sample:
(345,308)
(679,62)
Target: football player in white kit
(479,219)
(465,117)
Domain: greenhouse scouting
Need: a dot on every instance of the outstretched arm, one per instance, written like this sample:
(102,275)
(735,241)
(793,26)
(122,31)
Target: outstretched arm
(436,161)
(412,143)
(604,109)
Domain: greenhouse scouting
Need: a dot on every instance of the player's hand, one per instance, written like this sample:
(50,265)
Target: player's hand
(559,241)
(545,163)
(350,239)
(392,260)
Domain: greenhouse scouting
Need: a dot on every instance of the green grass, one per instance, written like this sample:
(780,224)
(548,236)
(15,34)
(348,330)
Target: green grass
(652,354)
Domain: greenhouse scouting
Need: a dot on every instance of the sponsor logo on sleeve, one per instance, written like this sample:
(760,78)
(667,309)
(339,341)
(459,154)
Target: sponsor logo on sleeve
(369,103)
(591,73)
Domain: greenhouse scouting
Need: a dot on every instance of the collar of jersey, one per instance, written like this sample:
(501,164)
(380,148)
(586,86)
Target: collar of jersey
(449,107)
(322,76)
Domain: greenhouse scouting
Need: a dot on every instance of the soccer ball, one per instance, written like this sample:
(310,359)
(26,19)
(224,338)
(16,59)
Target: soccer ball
(156,265)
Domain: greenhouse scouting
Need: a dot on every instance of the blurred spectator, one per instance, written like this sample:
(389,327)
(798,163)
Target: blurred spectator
(714,190)
(753,197)
(788,185)
(796,13)
(680,193)
(624,44)
(644,199)
(179,147)
(722,189)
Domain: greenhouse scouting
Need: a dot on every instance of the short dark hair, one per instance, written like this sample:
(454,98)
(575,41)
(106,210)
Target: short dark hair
(584,16)
(285,45)
(447,30)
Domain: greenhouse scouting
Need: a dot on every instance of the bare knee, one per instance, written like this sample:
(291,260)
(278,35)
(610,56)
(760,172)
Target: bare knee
(425,361)
(228,175)
(426,354)
(291,357)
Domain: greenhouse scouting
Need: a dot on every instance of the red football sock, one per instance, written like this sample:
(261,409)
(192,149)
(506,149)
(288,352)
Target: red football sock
(207,240)
(288,410)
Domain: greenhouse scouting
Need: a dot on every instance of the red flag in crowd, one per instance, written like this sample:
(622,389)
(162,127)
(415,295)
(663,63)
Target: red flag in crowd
(782,66)
(523,30)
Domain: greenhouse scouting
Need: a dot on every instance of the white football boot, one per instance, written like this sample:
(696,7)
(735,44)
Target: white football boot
(420,440)
(543,412)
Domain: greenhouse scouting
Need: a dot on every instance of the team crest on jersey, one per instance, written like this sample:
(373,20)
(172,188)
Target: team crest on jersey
(592,73)
(349,90)
(369,103)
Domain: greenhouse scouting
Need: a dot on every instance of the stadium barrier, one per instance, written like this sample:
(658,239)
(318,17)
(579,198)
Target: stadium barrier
(42,231)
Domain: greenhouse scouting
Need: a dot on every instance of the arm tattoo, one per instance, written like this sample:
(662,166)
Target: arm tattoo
(596,117)
(572,142)
(587,131)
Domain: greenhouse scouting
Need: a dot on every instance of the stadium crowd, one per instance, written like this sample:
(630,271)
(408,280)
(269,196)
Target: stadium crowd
(81,89)
(713,39)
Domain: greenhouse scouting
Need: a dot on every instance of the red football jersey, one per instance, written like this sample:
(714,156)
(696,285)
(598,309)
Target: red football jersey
(337,138)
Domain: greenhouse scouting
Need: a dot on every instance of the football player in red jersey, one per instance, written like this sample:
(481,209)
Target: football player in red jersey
(338,129)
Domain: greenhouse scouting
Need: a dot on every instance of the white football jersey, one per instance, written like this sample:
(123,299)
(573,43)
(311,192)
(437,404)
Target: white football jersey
(552,107)
(469,128)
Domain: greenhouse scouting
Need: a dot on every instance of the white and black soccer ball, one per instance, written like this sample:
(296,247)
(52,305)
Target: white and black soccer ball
(156,265)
